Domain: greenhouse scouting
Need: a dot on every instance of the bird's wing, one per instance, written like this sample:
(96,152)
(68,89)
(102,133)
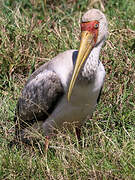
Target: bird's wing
(99,96)
(39,97)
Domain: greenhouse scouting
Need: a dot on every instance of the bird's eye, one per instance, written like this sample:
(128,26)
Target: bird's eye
(96,26)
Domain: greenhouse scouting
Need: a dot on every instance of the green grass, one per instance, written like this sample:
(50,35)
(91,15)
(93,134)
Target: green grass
(30,35)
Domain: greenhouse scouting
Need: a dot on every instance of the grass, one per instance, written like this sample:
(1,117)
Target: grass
(30,35)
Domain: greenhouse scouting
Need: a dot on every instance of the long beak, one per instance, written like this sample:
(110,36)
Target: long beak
(86,45)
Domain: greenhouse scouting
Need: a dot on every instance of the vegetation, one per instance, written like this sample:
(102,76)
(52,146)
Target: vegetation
(31,33)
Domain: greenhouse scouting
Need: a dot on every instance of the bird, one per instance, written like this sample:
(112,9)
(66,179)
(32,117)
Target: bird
(66,89)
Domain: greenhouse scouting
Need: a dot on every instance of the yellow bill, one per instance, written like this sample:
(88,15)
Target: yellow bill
(86,45)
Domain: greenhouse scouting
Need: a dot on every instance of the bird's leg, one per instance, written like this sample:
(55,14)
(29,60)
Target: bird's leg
(46,143)
(78,134)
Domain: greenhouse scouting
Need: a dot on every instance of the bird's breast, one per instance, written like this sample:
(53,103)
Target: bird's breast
(83,94)
(81,104)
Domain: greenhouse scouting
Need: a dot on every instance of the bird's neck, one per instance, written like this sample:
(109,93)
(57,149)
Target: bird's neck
(90,66)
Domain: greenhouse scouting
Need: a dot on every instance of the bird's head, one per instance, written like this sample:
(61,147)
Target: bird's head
(93,31)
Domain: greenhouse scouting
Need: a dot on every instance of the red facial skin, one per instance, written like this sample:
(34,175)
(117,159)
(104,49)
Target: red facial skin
(91,27)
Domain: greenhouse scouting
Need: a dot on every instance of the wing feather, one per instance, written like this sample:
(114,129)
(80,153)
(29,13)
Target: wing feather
(39,97)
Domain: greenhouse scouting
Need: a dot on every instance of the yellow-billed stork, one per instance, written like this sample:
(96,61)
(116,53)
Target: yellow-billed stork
(66,89)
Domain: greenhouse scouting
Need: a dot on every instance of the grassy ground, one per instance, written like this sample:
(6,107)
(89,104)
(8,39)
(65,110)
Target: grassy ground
(31,33)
